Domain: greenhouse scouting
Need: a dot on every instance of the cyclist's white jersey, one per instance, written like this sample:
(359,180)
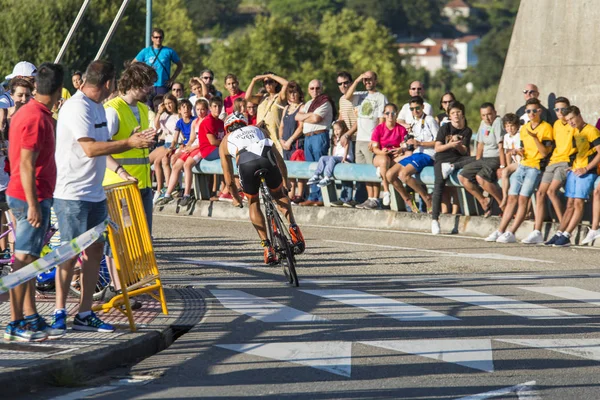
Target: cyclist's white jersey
(249,143)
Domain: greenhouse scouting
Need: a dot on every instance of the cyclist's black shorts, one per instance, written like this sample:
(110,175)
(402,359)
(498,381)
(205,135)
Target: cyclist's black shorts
(250,182)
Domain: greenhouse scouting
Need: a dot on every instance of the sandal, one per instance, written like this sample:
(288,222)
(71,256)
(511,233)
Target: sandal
(488,210)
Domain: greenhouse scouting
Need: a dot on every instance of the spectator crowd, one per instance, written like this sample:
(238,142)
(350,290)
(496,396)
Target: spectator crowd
(147,127)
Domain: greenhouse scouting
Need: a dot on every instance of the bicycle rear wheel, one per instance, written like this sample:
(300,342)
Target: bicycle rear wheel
(285,252)
(101,285)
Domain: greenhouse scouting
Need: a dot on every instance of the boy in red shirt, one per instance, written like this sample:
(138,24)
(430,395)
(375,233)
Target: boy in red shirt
(29,196)
(211,131)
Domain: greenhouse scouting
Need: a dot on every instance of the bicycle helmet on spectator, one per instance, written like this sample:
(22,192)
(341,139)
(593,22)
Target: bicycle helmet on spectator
(235,120)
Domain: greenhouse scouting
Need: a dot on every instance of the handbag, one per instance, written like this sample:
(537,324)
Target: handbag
(298,154)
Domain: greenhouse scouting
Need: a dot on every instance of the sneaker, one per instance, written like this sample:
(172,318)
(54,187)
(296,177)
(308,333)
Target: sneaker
(325,182)
(386,199)
(59,322)
(158,199)
(552,240)
(297,239)
(369,204)
(185,201)
(534,237)
(38,324)
(164,200)
(270,256)
(493,236)
(337,203)
(447,169)
(350,204)
(591,236)
(314,179)
(20,331)
(562,241)
(507,237)
(91,323)
(226,197)
(435,227)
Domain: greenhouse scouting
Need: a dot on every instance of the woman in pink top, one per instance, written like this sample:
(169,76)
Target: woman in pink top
(385,144)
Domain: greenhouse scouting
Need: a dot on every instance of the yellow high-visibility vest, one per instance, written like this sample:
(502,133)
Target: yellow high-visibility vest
(135,161)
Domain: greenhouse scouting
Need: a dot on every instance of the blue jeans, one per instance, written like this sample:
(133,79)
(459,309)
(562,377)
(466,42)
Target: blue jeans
(316,146)
(326,165)
(29,240)
(524,181)
(76,217)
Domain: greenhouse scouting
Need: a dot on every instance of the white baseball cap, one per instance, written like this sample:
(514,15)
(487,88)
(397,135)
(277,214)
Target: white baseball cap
(23,68)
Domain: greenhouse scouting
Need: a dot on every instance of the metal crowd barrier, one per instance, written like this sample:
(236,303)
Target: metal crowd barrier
(132,250)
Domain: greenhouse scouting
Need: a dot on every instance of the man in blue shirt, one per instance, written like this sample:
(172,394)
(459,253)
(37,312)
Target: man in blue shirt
(160,58)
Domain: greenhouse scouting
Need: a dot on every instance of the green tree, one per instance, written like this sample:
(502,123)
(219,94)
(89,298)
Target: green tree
(209,13)
(311,10)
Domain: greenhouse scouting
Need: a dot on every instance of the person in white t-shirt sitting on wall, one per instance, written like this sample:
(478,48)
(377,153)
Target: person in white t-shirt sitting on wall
(405,116)
(83,149)
(369,105)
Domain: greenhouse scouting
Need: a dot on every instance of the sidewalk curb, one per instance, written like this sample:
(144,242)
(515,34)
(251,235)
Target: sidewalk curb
(372,219)
(92,359)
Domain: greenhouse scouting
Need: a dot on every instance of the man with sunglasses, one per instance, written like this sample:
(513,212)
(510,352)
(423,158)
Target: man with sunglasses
(531,92)
(537,139)
(160,58)
(369,105)
(555,174)
(208,76)
(405,116)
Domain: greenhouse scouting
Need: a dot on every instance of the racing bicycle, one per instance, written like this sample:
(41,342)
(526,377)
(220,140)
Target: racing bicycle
(277,233)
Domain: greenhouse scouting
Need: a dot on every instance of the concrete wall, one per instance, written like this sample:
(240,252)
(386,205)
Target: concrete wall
(555,45)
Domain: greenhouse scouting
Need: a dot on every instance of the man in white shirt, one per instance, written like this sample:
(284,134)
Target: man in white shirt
(405,117)
(317,115)
(82,147)
(369,104)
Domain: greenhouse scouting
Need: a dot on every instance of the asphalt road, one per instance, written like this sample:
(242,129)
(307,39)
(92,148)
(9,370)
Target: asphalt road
(378,314)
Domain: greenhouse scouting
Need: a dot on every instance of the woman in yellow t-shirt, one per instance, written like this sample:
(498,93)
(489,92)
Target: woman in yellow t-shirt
(270,104)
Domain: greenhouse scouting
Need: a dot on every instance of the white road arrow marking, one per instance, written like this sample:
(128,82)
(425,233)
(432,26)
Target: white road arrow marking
(498,303)
(567,292)
(524,391)
(262,309)
(334,357)
(381,305)
(584,348)
(471,353)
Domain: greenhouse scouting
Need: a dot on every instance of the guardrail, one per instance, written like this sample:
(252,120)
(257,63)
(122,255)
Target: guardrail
(343,172)
(363,173)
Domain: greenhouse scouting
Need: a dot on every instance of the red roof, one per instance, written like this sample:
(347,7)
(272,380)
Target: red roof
(467,39)
(457,4)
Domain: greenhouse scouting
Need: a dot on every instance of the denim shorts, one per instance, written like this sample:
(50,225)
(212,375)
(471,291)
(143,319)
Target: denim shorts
(418,161)
(76,217)
(524,181)
(579,187)
(29,240)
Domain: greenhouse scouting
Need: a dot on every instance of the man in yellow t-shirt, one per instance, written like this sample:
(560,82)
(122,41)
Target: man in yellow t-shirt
(555,174)
(581,178)
(536,143)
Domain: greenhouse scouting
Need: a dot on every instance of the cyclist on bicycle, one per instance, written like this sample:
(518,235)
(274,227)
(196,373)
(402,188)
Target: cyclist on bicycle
(253,151)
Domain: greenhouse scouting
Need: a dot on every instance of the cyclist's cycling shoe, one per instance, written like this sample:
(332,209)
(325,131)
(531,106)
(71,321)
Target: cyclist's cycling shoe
(297,239)
(270,255)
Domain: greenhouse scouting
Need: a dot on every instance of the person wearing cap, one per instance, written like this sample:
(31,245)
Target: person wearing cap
(160,58)
(25,70)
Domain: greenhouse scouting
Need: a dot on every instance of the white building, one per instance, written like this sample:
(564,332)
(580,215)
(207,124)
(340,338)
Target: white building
(434,54)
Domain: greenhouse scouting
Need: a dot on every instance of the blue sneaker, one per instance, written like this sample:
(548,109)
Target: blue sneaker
(552,240)
(91,323)
(20,331)
(562,241)
(38,324)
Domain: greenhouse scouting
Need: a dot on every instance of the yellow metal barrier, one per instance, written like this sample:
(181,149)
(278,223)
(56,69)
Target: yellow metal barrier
(132,249)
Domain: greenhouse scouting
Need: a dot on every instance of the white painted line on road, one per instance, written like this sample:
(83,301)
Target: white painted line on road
(381,305)
(524,391)
(261,309)
(567,292)
(484,256)
(471,353)
(208,263)
(498,303)
(584,348)
(334,357)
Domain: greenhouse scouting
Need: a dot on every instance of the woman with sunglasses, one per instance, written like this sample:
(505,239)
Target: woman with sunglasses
(290,135)
(268,113)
